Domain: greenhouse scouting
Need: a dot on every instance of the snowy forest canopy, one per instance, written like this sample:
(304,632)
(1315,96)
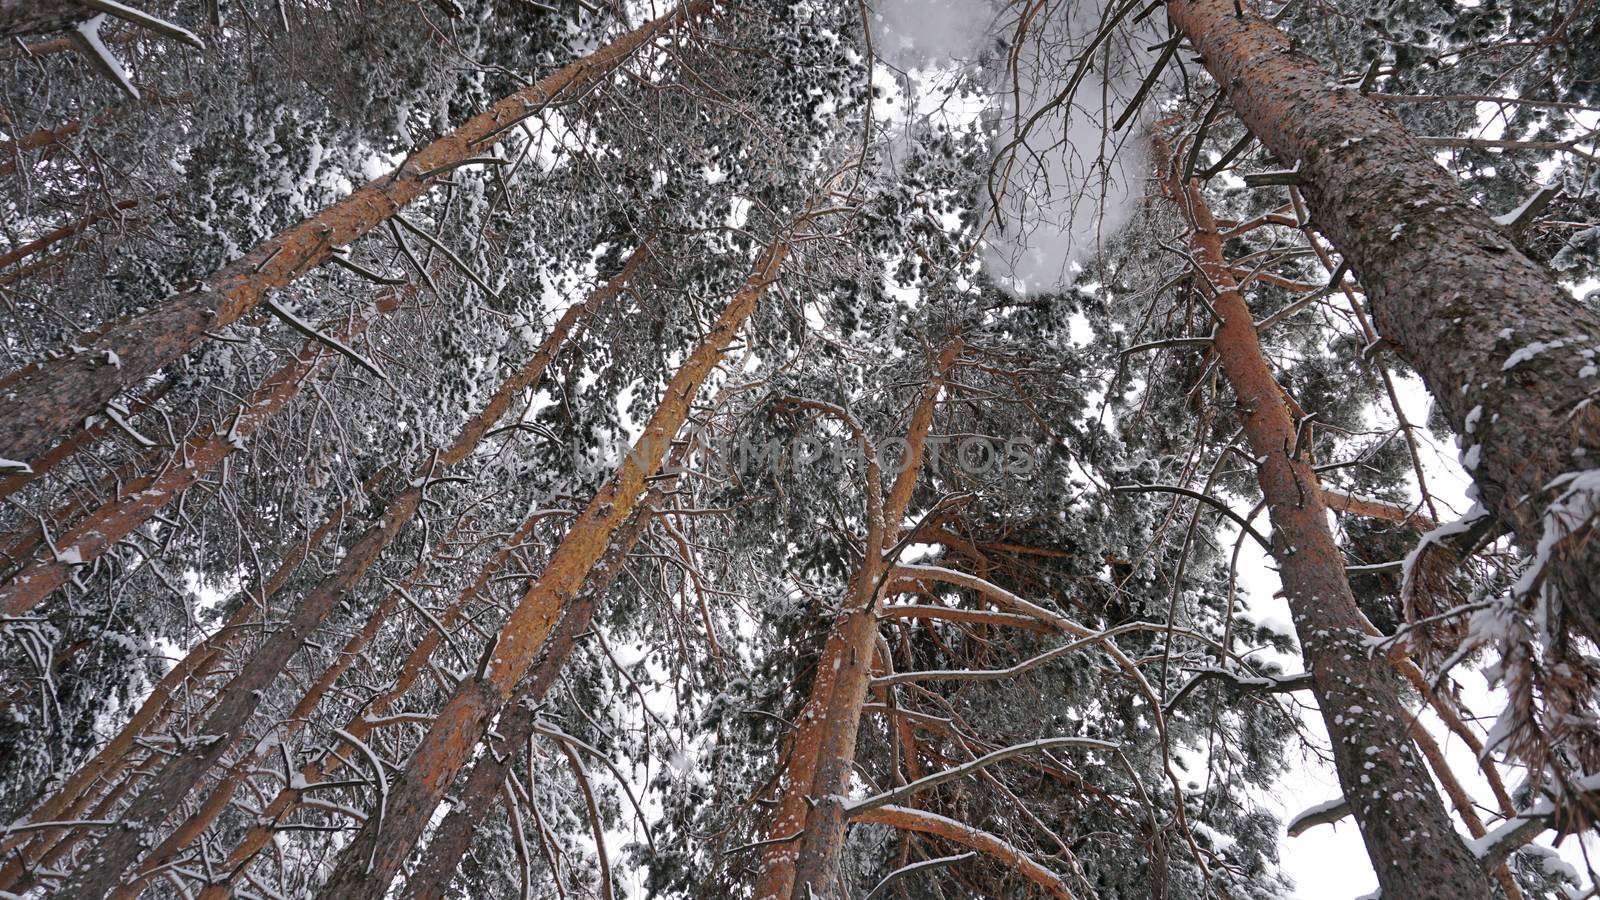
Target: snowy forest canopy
(490,448)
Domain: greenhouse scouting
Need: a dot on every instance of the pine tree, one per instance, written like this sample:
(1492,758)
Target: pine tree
(493,540)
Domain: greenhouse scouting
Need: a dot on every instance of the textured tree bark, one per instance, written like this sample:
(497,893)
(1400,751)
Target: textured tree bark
(1409,837)
(361,724)
(50,399)
(20,18)
(366,867)
(817,774)
(137,831)
(516,724)
(80,439)
(1508,354)
(83,500)
(221,793)
(489,774)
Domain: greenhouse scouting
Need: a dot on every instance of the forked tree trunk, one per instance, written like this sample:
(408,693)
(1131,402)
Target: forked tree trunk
(1507,353)
(807,830)
(383,843)
(52,398)
(1409,836)
(105,863)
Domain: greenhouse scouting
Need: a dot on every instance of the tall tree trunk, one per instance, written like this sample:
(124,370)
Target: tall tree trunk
(517,723)
(80,439)
(362,724)
(1409,836)
(488,776)
(1508,354)
(368,865)
(50,399)
(248,762)
(106,862)
(807,829)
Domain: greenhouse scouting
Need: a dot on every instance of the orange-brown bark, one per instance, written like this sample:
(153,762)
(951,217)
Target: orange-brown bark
(361,725)
(959,833)
(516,724)
(1385,781)
(78,440)
(110,763)
(51,399)
(221,793)
(49,239)
(807,829)
(1502,345)
(99,531)
(368,865)
(1339,501)
(44,137)
(489,775)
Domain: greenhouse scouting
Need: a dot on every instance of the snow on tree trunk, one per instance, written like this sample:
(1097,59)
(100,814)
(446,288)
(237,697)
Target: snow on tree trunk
(371,861)
(455,833)
(1408,834)
(105,863)
(359,727)
(99,531)
(1507,353)
(111,762)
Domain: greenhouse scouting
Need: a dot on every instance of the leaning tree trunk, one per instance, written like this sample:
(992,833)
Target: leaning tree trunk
(1506,351)
(48,400)
(104,864)
(1409,836)
(371,861)
(519,722)
(364,722)
(487,779)
(34,849)
(250,762)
